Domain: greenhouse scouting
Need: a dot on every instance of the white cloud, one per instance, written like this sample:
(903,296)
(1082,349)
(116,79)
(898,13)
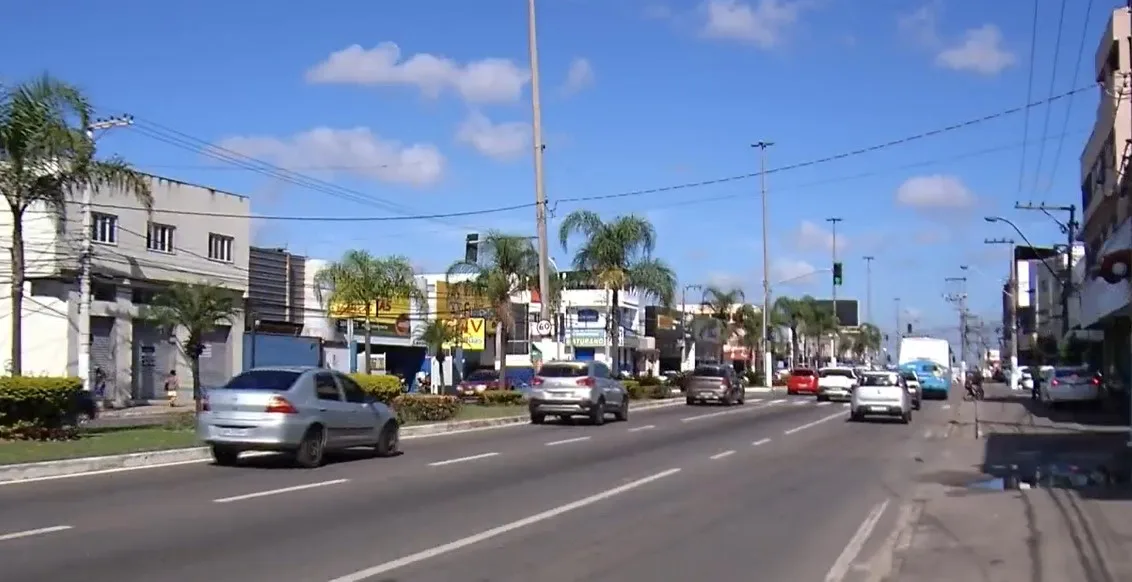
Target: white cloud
(355,151)
(812,237)
(763,24)
(980,51)
(726,281)
(502,141)
(579,77)
(491,80)
(935,192)
(792,272)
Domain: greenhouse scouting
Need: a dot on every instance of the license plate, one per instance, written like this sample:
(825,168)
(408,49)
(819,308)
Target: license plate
(233,432)
(878,408)
(561,394)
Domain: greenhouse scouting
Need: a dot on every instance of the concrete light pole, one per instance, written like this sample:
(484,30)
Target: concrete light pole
(765,340)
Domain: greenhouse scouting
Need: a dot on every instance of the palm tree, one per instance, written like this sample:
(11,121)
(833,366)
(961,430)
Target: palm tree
(362,281)
(617,255)
(46,158)
(793,314)
(869,340)
(437,335)
(722,303)
(749,322)
(197,308)
(506,265)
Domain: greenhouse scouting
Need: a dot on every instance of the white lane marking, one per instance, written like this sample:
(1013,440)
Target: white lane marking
(640,428)
(33,532)
(271,492)
(463,459)
(404,437)
(720,413)
(845,405)
(567,441)
(946,406)
(773,402)
(760,442)
(719,456)
(826,403)
(814,423)
(452,546)
(802,402)
(841,567)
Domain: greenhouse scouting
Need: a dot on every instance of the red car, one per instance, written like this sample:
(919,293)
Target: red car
(802,381)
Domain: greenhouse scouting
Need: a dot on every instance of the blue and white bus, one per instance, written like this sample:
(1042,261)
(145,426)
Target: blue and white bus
(930,359)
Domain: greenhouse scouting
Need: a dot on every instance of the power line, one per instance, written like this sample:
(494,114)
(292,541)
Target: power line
(1052,85)
(1029,97)
(644,192)
(1069,100)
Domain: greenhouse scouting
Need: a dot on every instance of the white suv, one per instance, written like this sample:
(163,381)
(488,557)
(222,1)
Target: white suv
(881,394)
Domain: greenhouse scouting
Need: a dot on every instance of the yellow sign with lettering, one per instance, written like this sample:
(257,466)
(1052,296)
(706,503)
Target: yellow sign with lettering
(387,317)
(473,333)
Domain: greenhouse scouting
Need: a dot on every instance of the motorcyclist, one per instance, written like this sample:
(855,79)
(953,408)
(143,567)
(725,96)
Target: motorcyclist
(974,384)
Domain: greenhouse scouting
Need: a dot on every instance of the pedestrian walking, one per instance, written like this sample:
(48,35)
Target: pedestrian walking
(172,387)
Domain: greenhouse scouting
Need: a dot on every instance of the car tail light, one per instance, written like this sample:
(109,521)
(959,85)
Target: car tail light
(724,384)
(537,381)
(1096,381)
(493,385)
(587,381)
(280,405)
(1053,382)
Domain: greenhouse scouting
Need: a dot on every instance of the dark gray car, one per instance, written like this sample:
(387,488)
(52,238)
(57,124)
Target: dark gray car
(718,383)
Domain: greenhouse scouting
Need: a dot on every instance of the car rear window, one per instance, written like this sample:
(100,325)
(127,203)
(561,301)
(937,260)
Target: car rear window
(272,380)
(909,375)
(482,376)
(1067,372)
(710,371)
(836,374)
(562,371)
(802,373)
(879,380)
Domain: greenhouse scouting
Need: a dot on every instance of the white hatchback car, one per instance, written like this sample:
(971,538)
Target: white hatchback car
(881,394)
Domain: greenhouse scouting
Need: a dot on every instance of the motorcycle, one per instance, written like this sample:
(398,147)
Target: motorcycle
(974,390)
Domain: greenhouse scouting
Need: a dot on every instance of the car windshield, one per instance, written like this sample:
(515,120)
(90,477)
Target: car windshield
(562,371)
(273,380)
(880,380)
(909,376)
(835,373)
(710,371)
(802,373)
(482,376)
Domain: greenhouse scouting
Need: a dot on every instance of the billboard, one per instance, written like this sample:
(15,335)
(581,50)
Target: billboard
(473,333)
(387,317)
(848,312)
(455,301)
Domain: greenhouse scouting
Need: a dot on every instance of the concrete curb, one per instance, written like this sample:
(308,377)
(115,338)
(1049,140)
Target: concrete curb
(46,470)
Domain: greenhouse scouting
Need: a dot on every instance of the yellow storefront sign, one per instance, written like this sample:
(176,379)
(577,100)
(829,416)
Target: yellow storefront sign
(388,317)
(473,334)
(454,301)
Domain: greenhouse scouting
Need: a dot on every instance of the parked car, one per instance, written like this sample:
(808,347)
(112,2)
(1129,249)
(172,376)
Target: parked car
(1070,384)
(836,383)
(802,381)
(912,382)
(572,388)
(302,411)
(718,383)
(881,394)
(518,378)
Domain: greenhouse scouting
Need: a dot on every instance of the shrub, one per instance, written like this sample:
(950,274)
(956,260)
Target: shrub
(657,392)
(499,397)
(181,421)
(649,380)
(680,380)
(634,389)
(753,378)
(426,407)
(46,402)
(29,431)
(385,389)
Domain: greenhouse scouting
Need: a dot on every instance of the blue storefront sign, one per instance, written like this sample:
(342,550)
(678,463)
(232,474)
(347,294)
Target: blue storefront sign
(588,315)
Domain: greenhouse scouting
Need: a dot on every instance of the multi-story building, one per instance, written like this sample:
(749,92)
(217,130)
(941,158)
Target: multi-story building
(1104,192)
(193,234)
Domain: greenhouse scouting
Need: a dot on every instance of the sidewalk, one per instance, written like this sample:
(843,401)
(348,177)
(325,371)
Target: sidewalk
(969,522)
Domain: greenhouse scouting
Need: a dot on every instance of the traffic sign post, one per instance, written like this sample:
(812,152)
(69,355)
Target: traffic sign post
(543,328)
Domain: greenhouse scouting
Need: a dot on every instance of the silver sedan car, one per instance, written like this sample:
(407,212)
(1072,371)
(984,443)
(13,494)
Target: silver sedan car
(304,412)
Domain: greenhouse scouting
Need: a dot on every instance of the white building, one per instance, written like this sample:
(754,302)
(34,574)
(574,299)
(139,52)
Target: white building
(194,234)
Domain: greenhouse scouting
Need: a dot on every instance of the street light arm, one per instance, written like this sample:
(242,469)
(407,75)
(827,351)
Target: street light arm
(1055,274)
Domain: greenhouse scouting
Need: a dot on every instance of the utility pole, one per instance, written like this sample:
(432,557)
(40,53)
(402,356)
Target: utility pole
(869,288)
(540,192)
(1012,313)
(85,270)
(836,282)
(1066,276)
(961,300)
(765,340)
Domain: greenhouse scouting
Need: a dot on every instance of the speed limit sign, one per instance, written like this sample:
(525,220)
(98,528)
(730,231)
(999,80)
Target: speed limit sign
(543,327)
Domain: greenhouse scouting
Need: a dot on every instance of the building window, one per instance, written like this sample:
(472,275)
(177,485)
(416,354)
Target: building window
(220,247)
(159,238)
(104,228)
(103,291)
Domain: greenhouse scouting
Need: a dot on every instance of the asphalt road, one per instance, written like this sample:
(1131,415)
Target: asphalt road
(783,490)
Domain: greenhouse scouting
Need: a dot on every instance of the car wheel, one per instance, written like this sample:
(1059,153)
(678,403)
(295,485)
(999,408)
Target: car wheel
(689,402)
(225,456)
(906,418)
(389,441)
(312,449)
(538,418)
(823,398)
(622,413)
(917,405)
(597,414)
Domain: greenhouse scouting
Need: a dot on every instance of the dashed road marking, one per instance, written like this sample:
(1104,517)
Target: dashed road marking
(640,428)
(568,441)
(463,459)
(271,492)
(760,442)
(33,532)
(719,456)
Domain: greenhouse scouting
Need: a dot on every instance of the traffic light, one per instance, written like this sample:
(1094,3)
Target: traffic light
(837,274)
(472,248)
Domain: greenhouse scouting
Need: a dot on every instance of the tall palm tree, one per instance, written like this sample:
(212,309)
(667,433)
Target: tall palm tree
(869,340)
(749,325)
(793,314)
(47,157)
(506,265)
(722,304)
(617,255)
(361,281)
(437,335)
(197,309)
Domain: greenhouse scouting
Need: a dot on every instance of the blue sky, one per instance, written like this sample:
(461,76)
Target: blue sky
(425,105)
